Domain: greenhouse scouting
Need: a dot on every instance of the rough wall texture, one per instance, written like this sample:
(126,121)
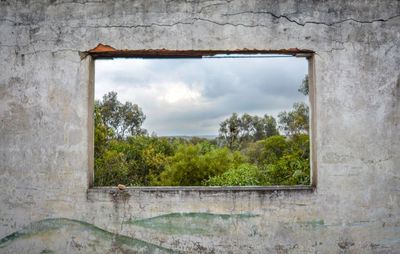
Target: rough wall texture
(45,205)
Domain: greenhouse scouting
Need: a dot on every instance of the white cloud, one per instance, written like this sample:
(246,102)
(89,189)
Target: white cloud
(178,93)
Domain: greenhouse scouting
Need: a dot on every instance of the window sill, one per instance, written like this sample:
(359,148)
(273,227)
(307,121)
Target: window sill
(206,189)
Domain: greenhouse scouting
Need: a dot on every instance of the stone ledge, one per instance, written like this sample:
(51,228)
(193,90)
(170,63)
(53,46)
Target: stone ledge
(205,189)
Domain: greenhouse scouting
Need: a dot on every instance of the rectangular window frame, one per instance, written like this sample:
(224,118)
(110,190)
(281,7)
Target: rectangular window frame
(106,52)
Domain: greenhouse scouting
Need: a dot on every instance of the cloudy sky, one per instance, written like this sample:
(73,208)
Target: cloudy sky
(192,96)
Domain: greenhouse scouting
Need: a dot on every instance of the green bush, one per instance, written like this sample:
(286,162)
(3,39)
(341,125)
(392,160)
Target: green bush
(111,169)
(269,150)
(141,160)
(290,169)
(244,175)
(191,164)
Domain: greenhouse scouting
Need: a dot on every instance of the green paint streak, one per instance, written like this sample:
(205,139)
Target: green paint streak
(353,224)
(199,215)
(70,225)
(47,251)
(191,223)
(14,236)
(359,223)
(346,174)
(313,223)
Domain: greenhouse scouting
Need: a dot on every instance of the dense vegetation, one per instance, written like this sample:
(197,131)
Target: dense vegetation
(248,151)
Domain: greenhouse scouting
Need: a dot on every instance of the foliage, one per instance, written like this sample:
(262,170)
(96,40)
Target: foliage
(289,165)
(264,127)
(290,169)
(111,169)
(191,164)
(134,161)
(248,151)
(304,88)
(108,165)
(236,131)
(244,175)
(124,119)
(267,151)
(277,160)
(229,131)
(296,121)
(147,158)
(102,133)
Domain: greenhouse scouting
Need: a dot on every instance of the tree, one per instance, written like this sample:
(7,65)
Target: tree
(295,121)
(146,158)
(109,164)
(304,87)
(245,128)
(123,154)
(102,134)
(229,131)
(237,131)
(124,119)
(264,127)
(272,149)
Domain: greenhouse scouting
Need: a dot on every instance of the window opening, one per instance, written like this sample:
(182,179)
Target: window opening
(221,120)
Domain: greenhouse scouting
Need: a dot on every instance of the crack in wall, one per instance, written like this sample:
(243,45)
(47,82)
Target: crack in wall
(311,22)
(194,19)
(199,19)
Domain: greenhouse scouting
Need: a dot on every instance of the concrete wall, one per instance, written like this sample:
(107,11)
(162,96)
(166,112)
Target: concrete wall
(45,204)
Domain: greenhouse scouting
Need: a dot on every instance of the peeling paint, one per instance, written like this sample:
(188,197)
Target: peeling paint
(102,48)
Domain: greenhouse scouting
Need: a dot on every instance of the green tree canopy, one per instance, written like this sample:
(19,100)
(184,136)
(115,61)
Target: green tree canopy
(295,121)
(124,119)
(243,175)
(235,130)
(191,164)
(248,151)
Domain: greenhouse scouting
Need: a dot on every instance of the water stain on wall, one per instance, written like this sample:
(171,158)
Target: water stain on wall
(78,234)
(42,235)
(207,224)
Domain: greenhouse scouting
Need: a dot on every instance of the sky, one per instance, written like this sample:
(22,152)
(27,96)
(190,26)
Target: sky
(189,97)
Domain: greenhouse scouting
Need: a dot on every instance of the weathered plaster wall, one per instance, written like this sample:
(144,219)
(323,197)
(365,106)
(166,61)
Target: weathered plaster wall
(45,205)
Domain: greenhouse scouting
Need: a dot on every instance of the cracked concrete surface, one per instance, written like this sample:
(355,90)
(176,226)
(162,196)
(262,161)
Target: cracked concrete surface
(44,134)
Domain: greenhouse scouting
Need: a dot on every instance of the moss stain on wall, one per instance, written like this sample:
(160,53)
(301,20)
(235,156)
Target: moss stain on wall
(206,224)
(88,234)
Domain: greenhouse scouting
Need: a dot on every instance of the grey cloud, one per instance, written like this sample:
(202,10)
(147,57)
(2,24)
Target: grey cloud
(229,85)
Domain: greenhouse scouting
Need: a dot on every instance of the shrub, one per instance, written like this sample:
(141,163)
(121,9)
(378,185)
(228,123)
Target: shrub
(191,164)
(244,175)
